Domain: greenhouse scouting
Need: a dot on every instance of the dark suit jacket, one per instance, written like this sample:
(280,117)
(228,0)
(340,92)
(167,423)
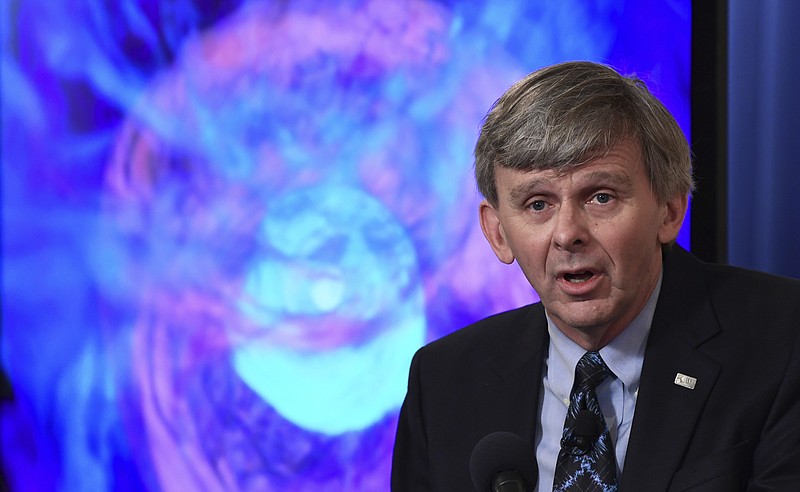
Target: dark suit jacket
(736,331)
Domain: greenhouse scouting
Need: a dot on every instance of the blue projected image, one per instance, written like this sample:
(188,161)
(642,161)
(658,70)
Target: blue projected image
(227,226)
(324,238)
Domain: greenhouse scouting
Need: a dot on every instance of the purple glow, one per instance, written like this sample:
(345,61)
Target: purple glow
(218,220)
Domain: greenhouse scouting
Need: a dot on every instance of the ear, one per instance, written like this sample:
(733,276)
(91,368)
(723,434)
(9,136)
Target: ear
(493,230)
(674,212)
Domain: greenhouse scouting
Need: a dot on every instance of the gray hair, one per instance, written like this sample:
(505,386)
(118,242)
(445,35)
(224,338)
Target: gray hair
(564,115)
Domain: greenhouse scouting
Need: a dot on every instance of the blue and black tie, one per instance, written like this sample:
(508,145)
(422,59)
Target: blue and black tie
(586,461)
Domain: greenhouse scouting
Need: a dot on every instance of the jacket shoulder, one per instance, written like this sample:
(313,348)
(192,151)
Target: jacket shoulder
(730,288)
(488,333)
(500,340)
(749,291)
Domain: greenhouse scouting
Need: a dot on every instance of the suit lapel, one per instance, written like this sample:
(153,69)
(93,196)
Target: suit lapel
(666,412)
(508,398)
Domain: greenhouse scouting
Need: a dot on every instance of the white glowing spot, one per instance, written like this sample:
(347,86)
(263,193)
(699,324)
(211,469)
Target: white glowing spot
(327,293)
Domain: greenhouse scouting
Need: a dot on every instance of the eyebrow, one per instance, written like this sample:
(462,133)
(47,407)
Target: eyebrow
(523,190)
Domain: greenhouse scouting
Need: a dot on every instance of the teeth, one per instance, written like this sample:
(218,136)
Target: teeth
(577,278)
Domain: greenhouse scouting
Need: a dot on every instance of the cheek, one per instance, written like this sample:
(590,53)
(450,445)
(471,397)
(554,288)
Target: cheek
(528,240)
(633,250)
(633,231)
(531,256)
(530,263)
(538,280)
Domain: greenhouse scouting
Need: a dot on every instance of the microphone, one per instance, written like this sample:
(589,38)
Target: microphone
(503,462)
(586,429)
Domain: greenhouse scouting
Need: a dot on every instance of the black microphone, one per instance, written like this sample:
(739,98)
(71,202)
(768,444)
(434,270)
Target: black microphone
(503,462)
(585,431)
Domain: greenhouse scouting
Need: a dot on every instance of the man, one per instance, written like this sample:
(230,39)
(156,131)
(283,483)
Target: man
(586,178)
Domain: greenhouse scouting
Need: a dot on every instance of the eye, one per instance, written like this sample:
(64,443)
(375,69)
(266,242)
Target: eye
(537,205)
(602,198)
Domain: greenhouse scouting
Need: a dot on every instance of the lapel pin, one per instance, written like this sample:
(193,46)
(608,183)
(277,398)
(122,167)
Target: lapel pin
(685,381)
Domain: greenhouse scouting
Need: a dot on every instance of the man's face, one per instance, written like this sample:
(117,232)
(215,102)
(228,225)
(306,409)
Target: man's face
(589,241)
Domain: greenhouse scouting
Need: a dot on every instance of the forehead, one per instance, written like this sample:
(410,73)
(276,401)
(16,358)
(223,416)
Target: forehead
(622,165)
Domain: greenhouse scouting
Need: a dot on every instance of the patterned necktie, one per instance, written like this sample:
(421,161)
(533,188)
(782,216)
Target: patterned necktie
(586,461)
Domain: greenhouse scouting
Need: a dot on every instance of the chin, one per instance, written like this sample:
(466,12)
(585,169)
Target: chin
(585,316)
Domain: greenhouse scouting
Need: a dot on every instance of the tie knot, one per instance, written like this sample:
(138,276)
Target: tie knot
(590,371)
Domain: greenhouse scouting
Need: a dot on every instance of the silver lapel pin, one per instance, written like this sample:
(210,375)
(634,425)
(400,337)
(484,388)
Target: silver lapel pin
(685,381)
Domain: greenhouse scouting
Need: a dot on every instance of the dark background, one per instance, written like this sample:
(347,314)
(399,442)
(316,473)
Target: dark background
(745,82)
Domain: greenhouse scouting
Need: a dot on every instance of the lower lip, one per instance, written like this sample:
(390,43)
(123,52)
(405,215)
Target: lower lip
(579,289)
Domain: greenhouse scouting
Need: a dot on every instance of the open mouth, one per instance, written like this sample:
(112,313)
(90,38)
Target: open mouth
(579,277)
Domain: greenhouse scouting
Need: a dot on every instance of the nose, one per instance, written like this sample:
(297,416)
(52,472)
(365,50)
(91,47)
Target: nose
(570,230)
